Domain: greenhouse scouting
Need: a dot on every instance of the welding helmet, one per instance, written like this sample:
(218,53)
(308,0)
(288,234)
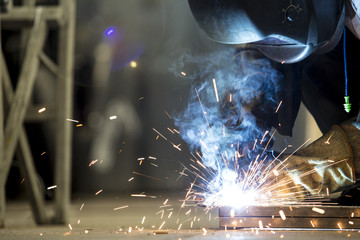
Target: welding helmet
(283,30)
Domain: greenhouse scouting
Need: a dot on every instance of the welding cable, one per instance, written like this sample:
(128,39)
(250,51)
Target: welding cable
(347,104)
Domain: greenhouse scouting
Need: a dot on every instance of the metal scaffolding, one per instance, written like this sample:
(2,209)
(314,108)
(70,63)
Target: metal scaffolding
(34,20)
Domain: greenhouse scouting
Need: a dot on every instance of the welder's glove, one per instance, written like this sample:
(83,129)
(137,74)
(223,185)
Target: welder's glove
(326,165)
(285,189)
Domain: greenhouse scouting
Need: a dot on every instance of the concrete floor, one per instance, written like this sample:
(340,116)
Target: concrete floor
(97,219)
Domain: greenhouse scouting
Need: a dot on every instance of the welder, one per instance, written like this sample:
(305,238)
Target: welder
(315,45)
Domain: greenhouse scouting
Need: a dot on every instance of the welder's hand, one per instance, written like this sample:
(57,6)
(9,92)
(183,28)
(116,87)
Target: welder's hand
(324,166)
(284,189)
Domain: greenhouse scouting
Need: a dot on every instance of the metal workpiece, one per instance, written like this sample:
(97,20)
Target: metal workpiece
(292,217)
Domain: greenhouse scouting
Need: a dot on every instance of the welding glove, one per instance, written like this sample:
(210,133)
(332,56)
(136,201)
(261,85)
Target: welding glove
(326,165)
(285,189)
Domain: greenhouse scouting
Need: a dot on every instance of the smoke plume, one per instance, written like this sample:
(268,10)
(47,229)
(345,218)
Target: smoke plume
(229,127)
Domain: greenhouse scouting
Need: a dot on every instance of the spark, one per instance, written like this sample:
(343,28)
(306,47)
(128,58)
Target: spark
(150,157)
(138,195)
(130,179)
(130,229)
(41,110)
(351,222)
(93,162)
(170,214)
(215,89)
(266,132)
(122,207)
(72,120)
(183,73)
(22,181)
(43,153)
(143,220)
(70,227)
(327,141)
(113,117)
(318,210)
(339,225)
(98,192)
(282,215)
(162,225)
(162,213)
(140,174)
(202,107)
(255,144)
(277,109)
(267,144)
(180,225)
(352,214)
(140,98)
(52,187)
(78,222)
(170,130)
(159,134)
(261,224)
(194,167)
(201,165)
(188,212)
(177,147)
(79,125)
(168,114)
(289,156)
(82,205)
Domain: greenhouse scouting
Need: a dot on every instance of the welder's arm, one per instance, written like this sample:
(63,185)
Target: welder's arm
(352,19)
(327,164)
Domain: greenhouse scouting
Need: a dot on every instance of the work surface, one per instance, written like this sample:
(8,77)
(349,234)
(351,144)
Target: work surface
(110,217)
